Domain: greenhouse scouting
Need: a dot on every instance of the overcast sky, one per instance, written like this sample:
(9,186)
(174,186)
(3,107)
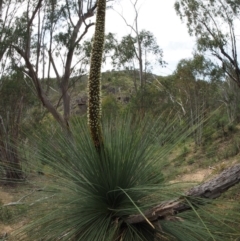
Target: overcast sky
(159,17)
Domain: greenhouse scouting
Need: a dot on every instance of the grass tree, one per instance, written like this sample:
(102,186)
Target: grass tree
(116,191)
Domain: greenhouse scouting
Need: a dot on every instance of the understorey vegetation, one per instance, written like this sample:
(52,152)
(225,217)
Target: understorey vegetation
(107,156)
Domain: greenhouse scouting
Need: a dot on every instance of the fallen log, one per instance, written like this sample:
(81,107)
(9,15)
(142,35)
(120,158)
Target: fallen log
(209,190)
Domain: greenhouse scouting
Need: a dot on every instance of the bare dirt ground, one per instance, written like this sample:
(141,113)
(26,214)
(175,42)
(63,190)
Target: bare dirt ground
(5,197)
(198,176)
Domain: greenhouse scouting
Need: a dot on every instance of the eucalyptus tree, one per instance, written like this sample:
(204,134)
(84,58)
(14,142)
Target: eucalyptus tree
(195,91)
(230,96)
(135,28)
(214,23)
(5,30)
(122,54)
(44,41)
(137,46)
(127,54)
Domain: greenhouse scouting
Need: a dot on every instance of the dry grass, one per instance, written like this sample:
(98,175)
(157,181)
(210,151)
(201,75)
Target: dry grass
(15,201)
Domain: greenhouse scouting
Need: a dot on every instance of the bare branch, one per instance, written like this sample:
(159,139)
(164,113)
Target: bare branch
(41,199)
(54,66)
(84,33)
(19,201)
(29,24)
(41,95)
(69,14)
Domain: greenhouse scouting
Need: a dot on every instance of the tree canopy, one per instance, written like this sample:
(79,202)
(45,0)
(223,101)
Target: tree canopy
(214,24)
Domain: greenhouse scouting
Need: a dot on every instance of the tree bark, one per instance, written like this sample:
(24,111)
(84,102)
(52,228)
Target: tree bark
(40,93)
(2,36)
(67,71)
(211,189)
(1,5)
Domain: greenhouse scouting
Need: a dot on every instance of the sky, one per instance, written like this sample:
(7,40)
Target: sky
(160,18)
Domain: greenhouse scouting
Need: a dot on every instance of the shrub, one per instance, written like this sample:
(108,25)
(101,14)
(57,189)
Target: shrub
(98,191)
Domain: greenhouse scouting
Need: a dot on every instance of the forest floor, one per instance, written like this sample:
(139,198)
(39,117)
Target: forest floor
(7,223)
(14,200)
(14,204)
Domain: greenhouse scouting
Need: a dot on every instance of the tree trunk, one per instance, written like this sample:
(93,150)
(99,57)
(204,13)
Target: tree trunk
(74,40)
(2,36)
(1,6)
(211,189)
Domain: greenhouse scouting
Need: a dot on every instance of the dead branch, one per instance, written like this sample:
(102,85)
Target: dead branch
(211,189)
(41,199)
(22,198)
(19,201)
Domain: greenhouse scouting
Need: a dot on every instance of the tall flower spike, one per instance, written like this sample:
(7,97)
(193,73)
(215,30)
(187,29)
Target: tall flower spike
(94,82)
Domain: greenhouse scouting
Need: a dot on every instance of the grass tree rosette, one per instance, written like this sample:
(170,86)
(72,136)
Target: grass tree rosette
(95,191)
(90,204)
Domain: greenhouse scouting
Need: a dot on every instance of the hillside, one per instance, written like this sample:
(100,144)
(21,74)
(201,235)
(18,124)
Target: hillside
(213,146)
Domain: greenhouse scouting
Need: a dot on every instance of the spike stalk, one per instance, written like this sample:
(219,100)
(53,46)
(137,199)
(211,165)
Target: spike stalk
(94,82)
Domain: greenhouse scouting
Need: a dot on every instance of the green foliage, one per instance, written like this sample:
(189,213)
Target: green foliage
(180,159)
(152,101)
(138,55)
(232,149)
(96,193)
(12,89)
(101,190)
(110,106)
(8,214)
(210,151)
(185,151)
(213,23)
(5,215)
(124,54)
(16,100)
